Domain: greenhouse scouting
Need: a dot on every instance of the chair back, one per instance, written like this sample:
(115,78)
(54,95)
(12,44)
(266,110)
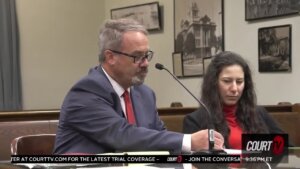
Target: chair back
(39,144)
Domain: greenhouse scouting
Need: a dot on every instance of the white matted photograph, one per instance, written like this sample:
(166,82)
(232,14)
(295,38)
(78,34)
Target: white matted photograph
(198,32)
(177,64)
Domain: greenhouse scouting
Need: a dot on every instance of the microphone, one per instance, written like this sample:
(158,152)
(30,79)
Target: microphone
(211,139)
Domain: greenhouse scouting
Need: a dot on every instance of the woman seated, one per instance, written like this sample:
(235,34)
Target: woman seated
(228,92)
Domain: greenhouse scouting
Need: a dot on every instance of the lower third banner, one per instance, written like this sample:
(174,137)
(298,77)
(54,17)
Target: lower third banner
(126,159)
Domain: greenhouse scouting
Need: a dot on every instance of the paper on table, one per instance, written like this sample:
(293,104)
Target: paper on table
(233,151)
(128,167)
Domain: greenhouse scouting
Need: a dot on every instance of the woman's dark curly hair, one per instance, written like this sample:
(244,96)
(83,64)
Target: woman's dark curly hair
(246,107)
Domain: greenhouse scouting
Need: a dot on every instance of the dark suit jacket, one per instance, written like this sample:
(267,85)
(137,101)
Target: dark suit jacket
(198,120)
(92,120)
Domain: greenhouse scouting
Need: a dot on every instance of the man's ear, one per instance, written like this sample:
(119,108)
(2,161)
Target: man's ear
(109,57)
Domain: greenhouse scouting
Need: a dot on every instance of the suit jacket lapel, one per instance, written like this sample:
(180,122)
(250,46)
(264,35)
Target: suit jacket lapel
(117,106)
(137,106)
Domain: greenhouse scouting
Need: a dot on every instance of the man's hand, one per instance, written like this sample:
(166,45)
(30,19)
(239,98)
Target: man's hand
(200,140)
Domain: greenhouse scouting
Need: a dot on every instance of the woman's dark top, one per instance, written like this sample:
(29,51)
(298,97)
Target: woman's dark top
(199,120)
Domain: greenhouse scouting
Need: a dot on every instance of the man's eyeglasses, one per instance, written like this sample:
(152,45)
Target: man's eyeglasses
(137,59)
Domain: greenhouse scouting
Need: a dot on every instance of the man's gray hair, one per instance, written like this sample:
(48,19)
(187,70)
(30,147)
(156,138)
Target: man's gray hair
(111,34)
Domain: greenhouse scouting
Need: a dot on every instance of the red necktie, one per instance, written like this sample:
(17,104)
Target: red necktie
(128,106)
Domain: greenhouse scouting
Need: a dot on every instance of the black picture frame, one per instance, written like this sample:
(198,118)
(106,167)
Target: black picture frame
(198,32)
(147,14)
(274,49)
(258,9)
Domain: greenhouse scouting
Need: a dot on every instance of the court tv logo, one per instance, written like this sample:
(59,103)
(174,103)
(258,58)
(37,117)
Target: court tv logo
(264,147)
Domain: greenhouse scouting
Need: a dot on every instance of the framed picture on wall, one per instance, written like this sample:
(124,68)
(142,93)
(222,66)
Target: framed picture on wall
(274,49)
(147,14)
(198,32)
(258,9)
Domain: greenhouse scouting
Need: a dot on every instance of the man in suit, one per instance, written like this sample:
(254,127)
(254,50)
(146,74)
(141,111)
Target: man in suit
(98,117)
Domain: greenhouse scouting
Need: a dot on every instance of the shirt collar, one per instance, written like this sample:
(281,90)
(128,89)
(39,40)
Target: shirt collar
(116,86)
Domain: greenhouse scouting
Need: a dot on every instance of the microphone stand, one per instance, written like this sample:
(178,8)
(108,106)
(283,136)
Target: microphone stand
(211,139)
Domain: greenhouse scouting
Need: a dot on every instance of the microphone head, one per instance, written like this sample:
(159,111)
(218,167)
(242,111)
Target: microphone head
(159,66)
